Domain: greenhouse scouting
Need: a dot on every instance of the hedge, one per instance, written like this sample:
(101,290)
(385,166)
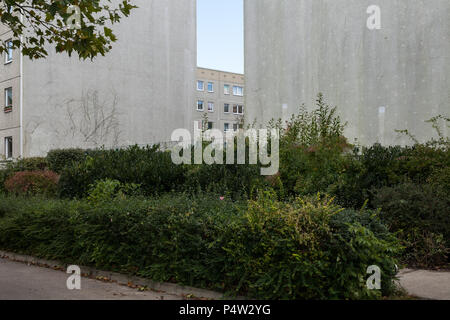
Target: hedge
(420,215)
(148,166)
(264,249)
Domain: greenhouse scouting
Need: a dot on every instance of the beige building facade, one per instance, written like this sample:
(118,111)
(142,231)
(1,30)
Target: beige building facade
(10,91)
(219,99)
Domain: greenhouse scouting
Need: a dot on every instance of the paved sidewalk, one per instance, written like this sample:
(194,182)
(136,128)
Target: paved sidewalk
(19,281)
(426,284)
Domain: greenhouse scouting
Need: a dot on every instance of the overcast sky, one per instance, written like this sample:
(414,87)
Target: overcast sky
(220,35)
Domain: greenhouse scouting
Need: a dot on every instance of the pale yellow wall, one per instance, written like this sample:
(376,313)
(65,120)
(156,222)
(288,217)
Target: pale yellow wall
(9,77)
(219,79)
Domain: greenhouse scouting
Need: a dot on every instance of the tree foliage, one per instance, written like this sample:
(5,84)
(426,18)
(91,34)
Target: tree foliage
(37,23)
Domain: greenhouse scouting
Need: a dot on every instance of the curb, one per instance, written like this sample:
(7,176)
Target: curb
(119,278)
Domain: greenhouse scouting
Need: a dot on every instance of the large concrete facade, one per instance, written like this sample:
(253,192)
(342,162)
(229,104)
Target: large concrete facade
(137,94)
(381,80)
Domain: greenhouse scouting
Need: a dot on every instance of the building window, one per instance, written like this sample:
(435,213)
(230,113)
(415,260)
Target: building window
(235,126)
(238,91)
(200,85)
(238,109)
(8,99)
(226,108)
(226,127)
(210,125)
(9,51)
(200,105)
(211,106)
(8,147)
(226,89)
(210,87)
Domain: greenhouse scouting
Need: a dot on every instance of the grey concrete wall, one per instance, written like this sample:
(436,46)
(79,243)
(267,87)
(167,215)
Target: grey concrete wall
(138,93)
(297,48)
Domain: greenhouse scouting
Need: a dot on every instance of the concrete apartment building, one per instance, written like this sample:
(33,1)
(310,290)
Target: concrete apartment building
(219,97)
(137,94)
(394,77)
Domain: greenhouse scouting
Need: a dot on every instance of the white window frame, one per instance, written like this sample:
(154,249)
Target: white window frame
(226,104)
(9,89)
(9,51)
(202,103)
(235,127)
(226,89)
(238,106)
(238,91)
(7,149)
(210,103)
(198,85)
(212,87)
(226,127)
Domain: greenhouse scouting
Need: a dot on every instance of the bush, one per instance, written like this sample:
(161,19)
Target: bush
(58,159)
(441,177)
(28,164)
(33,183)
(312,148)
(262,249)
(375,167)
(149,167)
(379,166)
(298,250)
(236,181)
(421,216)
(107,190)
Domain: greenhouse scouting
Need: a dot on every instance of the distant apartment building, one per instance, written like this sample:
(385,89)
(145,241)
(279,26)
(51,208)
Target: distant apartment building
(137,94)
(219,100)
(385,64)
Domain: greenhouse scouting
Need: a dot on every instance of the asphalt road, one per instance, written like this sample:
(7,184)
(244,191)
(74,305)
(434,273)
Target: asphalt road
(19,281)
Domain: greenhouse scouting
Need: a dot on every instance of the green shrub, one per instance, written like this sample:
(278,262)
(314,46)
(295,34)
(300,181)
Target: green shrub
(422,160)
(236,181)
(32,183)
(297,250)
(107,190)
(262,249)
(58,159)
(149,167)
(441,177)
(421,216)
(312,148)
(379,166)
(27,164)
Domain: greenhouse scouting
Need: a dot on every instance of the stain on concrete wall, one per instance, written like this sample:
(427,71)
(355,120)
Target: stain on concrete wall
(395,77)
(146,83)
